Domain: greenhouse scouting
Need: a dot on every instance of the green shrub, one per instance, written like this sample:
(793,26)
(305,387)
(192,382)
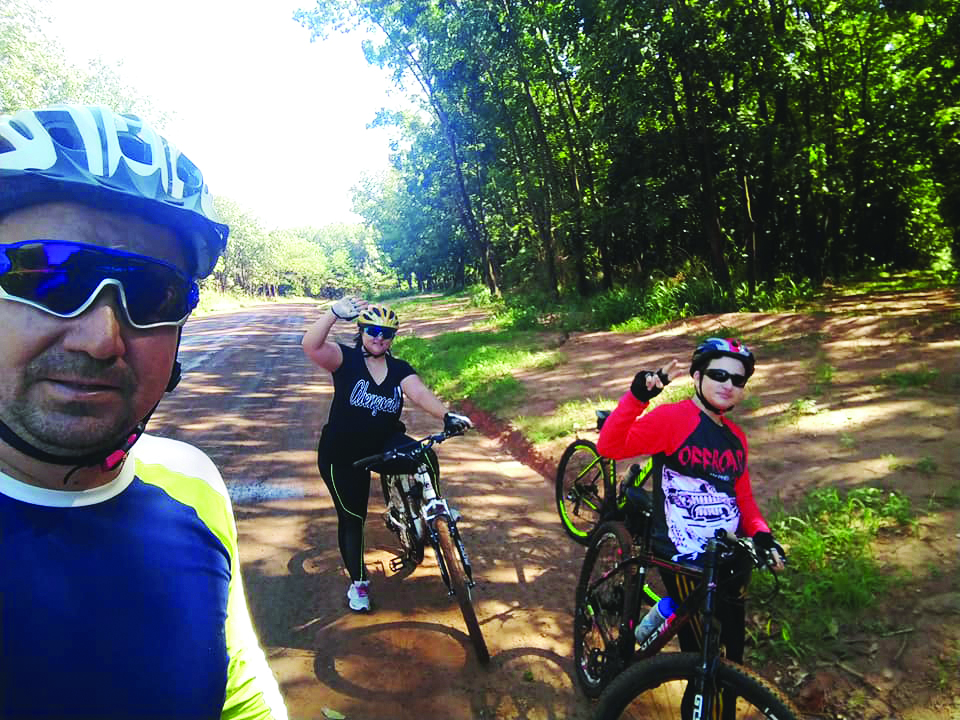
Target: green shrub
(832,577)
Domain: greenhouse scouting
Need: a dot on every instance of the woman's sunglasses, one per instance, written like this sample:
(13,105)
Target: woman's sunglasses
(379,331)
(721,376)
(65,278)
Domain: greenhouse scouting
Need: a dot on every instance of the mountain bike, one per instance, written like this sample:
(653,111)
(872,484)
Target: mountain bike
(586,486)
(418,514)
(630,678)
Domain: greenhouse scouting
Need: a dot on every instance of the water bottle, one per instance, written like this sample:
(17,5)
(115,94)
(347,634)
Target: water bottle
(654,618)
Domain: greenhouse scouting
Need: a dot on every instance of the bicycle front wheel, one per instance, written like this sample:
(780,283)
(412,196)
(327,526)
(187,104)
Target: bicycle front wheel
(602,639)
(583,477)
(655,689)
(461,588)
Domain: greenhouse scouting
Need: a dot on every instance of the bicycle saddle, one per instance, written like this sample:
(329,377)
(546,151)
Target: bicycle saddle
(602,416)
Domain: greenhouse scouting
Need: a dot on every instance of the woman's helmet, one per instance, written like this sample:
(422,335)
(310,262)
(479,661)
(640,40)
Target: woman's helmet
(378,315)
(92,155)
(712,348)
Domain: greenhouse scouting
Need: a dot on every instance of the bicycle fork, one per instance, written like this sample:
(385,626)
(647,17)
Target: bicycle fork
(706,691)
(451,516)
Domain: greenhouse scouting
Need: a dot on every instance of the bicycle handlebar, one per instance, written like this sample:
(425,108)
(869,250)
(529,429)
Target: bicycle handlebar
(724,540)
(410,451)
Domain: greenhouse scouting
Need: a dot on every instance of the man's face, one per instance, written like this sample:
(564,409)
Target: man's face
(79,385)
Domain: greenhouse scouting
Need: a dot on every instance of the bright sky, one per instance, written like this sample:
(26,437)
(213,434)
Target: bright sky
(273,121)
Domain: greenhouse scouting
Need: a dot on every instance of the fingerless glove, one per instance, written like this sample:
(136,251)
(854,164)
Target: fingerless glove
(454,423)
(345,309)
(765,543)
(639,385)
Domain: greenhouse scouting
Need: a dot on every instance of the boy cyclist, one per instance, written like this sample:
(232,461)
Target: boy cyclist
(701,481)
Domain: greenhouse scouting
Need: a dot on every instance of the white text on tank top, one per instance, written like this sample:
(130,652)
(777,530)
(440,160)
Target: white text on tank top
(360,397)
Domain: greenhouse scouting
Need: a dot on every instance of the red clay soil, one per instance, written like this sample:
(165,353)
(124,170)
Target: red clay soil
(251,399)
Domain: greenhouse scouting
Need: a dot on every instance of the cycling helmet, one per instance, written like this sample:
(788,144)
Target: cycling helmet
(717,347)
(378,315)
(92,155)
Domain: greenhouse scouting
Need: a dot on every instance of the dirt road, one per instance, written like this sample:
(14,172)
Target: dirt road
(253,401)
(824,410)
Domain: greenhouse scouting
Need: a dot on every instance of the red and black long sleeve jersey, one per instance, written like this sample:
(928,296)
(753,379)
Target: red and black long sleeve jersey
(701,482)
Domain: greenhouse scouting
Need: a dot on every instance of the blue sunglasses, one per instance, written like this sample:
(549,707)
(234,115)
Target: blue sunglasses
(379,331)
(64,279)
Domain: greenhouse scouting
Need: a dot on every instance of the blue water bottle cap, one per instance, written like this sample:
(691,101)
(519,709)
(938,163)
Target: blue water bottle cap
(666,606)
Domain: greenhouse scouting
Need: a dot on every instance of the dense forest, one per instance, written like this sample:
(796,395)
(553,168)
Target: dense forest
(571,146)
(565,148)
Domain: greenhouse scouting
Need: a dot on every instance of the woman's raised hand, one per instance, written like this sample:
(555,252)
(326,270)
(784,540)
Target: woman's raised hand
(348,307)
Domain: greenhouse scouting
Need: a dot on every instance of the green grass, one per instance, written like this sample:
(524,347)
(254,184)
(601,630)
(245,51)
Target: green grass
(428,307)
(832,578)
(478,365)
(565,420)
(797,408)
(822,378)
(909,379)
(880,281)
(926,465)
(948,499)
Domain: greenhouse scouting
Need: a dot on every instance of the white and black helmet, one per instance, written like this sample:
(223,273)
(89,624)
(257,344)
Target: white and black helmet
(92,155)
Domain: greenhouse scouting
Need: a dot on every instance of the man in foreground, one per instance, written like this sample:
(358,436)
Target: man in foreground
(120,586)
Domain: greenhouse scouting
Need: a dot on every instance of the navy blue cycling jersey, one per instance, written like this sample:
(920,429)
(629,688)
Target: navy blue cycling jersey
(125,601)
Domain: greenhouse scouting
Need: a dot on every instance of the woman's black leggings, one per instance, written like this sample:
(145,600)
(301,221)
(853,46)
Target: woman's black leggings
(350,490)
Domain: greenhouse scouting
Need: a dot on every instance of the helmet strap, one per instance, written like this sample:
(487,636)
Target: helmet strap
(706,403)
(108,460)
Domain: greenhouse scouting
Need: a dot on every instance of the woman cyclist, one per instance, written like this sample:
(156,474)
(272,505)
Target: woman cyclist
(369,388)
(701,482)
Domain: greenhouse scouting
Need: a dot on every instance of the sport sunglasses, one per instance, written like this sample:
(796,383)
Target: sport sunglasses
(64,279)
(721,376)
(380,331)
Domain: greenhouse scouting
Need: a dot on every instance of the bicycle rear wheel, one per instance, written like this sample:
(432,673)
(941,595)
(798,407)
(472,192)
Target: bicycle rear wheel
(583,477)
(599,651)
(654,689)
(461,588)
(403,511)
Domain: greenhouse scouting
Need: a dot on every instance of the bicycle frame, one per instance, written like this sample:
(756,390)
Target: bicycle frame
(432,504)
(702,598)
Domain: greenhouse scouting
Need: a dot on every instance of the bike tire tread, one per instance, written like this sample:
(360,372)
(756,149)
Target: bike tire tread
(651,673)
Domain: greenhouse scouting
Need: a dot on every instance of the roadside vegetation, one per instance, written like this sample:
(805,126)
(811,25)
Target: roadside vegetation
(834,579)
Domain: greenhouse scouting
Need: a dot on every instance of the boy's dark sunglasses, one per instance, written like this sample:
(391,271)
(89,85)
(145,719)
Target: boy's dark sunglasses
(376,330)
(65,278)
(721,376)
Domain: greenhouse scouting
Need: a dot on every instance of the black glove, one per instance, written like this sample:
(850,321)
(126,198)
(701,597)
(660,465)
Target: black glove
(454,423)
(765,543)
(639,385)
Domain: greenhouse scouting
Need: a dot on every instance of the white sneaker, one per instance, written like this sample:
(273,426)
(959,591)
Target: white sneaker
(358,596)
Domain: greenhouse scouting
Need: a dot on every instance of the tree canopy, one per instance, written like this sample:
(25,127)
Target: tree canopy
(576,145)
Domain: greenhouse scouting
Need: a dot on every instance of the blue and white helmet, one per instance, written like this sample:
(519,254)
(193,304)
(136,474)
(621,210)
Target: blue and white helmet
(91,155)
